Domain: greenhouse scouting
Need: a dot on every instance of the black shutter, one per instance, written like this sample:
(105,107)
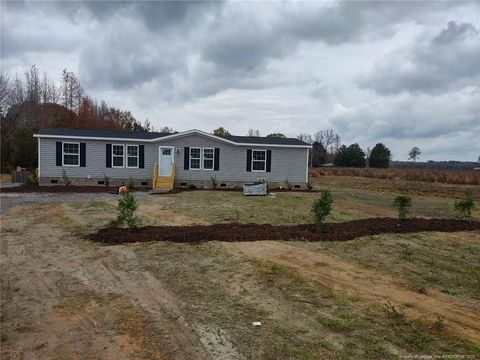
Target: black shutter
(108,158)
(141,156)
(249,159)
(83,154)
(59,153)
(186,159)
(216,166)
(269,160)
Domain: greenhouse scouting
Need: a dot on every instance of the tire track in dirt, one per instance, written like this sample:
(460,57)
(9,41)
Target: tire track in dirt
(460,319)
(44,266)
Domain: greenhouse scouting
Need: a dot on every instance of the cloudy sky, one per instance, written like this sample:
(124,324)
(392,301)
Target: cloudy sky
(403,73)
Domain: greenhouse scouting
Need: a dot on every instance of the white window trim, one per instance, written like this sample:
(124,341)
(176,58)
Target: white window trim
(264,161)
(190,159)
(118,167)
(63,153)
(127,156)
(203,159)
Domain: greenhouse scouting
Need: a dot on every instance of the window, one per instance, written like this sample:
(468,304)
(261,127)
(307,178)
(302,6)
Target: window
(132,156)
(195,156)
(117,155)
(208,158)
(259,160)
(71,154)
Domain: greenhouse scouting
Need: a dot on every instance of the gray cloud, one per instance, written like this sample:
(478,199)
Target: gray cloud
(448,61)
(281,66)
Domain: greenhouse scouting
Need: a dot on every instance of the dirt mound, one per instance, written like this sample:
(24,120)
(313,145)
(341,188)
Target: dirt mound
(252,232)
(63,189)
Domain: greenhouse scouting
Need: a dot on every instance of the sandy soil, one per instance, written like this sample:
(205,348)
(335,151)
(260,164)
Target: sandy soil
(55,307)
(461,318)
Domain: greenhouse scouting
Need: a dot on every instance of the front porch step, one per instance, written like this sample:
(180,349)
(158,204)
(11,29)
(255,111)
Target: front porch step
(159,191)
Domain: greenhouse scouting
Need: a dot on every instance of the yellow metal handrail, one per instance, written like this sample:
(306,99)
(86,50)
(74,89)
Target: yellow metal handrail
(155,174)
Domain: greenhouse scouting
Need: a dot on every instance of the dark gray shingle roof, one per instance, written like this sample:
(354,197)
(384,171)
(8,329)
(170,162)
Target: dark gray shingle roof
(103,133)
(264,140)
(153,135)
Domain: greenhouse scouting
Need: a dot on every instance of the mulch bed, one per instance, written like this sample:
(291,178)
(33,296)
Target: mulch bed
(64,189)
(253,232)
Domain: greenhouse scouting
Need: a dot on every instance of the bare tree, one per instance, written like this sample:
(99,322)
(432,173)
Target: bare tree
(17,91)
(4,93)
(305,138)
(44,89)
(337,142)
(253,133)
(54,92)
(72,92)
(32,84)
(326,138)
(167,130)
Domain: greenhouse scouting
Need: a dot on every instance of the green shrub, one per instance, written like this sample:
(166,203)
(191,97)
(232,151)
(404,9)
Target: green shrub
(106,180)
(465,206)
(214,182)
(126,208)
(321,209)
(30,180)
(288,184)
(66,179)
(309,185)
(402,204)
(131,184)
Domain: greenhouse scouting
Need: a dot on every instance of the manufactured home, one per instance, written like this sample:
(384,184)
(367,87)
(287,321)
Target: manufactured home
(164,161)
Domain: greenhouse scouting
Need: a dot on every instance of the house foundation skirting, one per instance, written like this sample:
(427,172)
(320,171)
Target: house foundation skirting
(52,181)
(199,184)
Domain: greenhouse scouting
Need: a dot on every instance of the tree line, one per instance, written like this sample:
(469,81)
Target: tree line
(34,102)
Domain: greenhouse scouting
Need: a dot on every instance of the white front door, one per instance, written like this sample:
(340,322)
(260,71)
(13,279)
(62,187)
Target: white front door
(166,161)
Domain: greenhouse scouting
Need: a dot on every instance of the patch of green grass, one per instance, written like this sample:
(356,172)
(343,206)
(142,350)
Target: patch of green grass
(448,262)
(301,319)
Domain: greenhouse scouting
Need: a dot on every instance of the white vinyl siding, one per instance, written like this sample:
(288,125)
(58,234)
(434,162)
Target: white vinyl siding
(195,158)
(71,154)
(259,160)
(132,156)
(118,152)
(287,163)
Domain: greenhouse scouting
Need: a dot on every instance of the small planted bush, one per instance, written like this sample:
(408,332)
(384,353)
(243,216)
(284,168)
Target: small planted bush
(131,184)
(309,185)
(214,182)
(126,208)
(106,180)
(288,184)
(465,206)
(402,204)
(31,180)
(321,209)
(66,179)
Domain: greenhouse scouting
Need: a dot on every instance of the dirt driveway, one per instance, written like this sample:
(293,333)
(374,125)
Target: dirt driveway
(10,200)
(110,309)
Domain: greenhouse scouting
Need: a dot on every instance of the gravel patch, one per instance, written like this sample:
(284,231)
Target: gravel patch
(10,200)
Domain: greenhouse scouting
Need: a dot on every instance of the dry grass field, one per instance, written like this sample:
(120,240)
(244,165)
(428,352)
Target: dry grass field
(376,297)
(445,176)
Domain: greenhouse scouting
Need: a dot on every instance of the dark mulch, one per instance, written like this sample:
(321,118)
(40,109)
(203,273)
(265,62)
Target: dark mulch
(64,189)
(253,232)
